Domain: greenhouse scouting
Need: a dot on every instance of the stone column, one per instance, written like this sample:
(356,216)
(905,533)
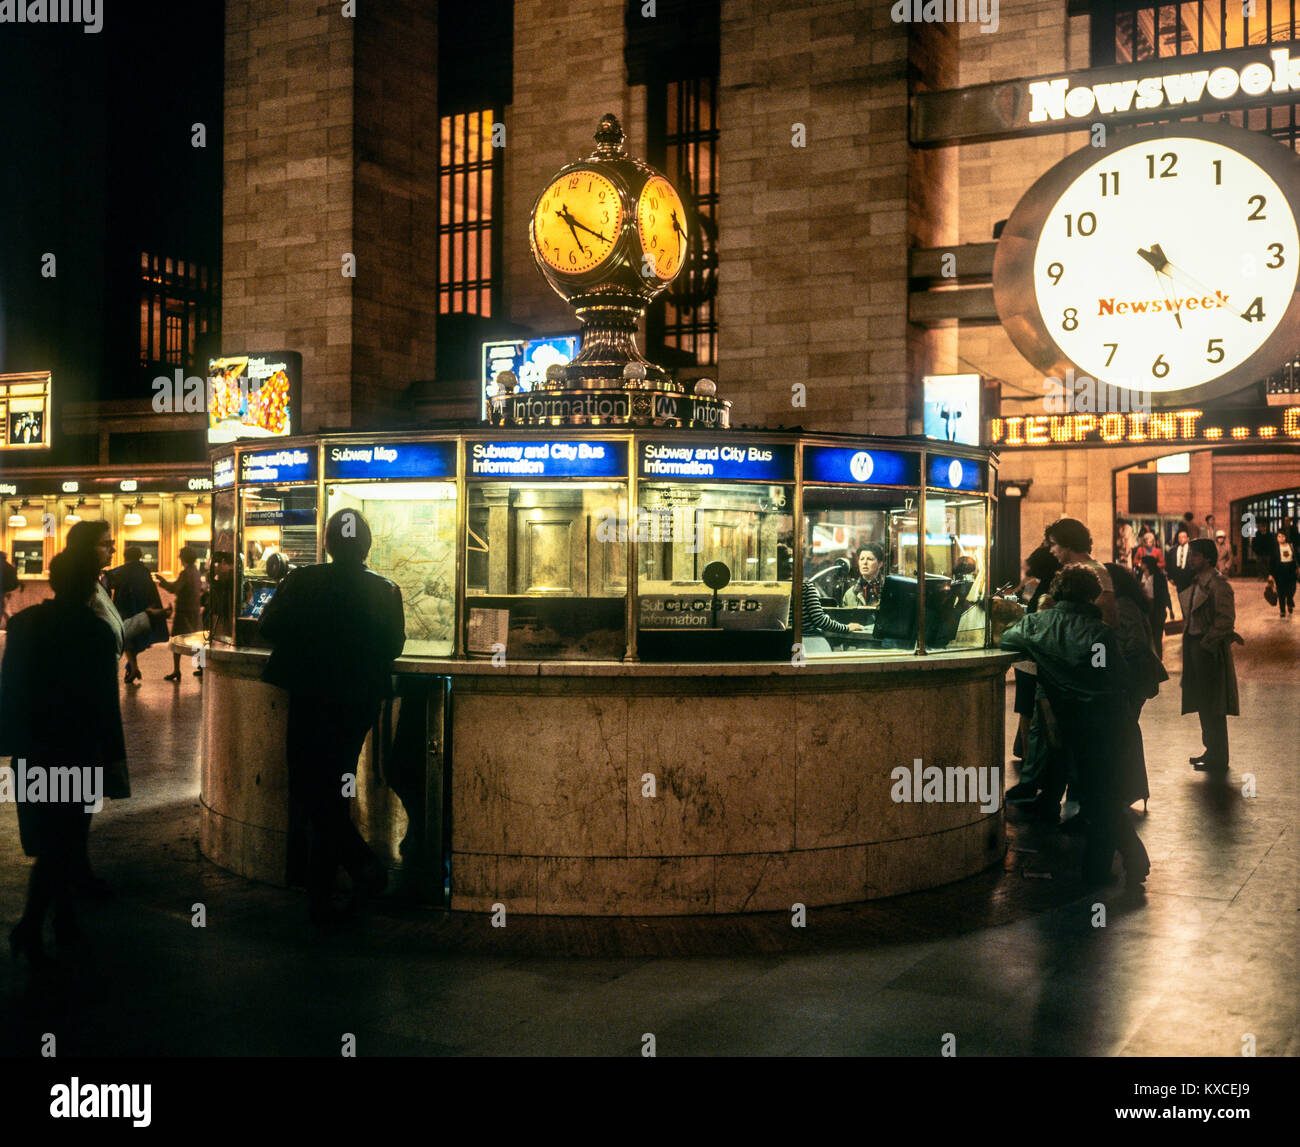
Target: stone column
(330,152)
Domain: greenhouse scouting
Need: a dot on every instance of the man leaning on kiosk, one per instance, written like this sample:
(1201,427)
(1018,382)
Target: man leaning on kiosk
(335,630)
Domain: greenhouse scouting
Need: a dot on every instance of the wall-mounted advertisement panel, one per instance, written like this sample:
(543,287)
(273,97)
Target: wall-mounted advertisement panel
(952,407)
(25,411)
(528,358)
(254,395)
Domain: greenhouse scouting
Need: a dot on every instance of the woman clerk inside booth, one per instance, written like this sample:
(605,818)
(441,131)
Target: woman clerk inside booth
(865,589)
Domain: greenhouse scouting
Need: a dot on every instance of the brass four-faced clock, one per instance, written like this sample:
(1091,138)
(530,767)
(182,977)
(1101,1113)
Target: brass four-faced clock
(609,234)
(1166,262)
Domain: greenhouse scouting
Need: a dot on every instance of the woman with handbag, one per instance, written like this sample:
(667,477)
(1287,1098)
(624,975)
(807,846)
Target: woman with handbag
(188,588)
(134,592)
(1282,575)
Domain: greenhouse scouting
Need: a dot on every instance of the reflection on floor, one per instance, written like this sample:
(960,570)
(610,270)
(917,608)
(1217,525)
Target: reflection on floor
(1010,962)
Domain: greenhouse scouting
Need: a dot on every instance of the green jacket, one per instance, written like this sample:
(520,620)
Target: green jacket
(1077,654)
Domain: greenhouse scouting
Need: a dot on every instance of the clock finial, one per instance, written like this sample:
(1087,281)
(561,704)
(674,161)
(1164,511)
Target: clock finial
(609,136)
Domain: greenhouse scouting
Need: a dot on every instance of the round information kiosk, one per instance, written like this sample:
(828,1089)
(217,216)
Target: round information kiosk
(610,700)
(653,665)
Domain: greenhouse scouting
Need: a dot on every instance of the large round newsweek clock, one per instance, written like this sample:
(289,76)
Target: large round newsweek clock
(1165,262)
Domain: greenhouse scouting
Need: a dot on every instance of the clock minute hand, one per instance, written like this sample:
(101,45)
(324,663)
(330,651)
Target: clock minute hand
(569,221)
(1174,271)
(1159,264)
(589,231)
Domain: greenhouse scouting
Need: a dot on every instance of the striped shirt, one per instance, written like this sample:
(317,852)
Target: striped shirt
(815,618)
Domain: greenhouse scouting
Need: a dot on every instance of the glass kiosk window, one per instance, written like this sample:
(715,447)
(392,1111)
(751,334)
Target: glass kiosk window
(683,529)
(413,526)
(860,558)
(278,534)
(546,570)
(956,549)
(221,569)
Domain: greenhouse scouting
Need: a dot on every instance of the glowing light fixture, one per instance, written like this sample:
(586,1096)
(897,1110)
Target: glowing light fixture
(193,517)
(72,515)
(132,516)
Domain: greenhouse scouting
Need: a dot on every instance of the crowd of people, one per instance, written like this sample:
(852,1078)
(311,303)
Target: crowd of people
(1092,640)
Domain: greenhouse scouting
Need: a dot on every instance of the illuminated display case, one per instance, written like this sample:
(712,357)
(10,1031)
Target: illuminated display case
(655,545)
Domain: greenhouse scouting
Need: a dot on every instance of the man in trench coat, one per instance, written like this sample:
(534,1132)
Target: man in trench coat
(1209,677)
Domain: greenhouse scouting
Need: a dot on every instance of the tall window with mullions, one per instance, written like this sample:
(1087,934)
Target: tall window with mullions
(469,190)
(475,57)
(1125,33)
(682,140)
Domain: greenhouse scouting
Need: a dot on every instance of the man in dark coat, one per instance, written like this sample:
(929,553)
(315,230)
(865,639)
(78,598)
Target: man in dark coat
(1209,677)
(335,630)
(59,710)
(1178,560)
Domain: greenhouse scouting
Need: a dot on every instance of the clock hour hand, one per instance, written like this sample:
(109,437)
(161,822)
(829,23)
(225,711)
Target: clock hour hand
(1156,257)
(677,230)
(1171,302)
(1159,263)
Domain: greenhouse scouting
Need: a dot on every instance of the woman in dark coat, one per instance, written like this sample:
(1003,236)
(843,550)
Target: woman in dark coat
(1147,674)
(1159,605)
(60,659)
(134,592)
(1282,571)
(187,618)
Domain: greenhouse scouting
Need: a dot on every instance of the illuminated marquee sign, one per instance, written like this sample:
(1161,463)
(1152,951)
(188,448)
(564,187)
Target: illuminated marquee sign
(1137,427)
(1057,99)
(547,460)
(1189,85)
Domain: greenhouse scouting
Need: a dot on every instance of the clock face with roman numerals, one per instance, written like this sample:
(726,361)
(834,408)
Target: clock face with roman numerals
(1166,262)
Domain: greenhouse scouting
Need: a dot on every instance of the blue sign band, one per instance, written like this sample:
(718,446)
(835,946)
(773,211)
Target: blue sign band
(354,460)
(847,466)
(715,462)
(954,473)
(287,465)
(546,460)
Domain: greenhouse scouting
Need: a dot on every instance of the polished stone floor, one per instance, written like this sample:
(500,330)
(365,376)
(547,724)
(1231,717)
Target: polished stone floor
(1010,962)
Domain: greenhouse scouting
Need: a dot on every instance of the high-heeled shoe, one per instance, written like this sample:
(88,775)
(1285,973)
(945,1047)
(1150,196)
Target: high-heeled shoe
(172,677)
(25,940)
